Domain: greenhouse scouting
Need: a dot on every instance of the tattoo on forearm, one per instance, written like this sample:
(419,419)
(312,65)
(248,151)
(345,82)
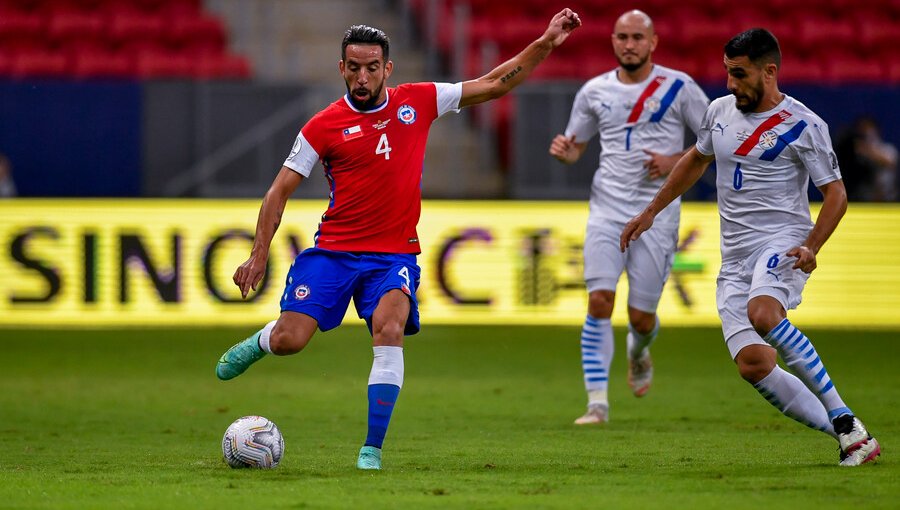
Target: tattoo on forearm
(510,75)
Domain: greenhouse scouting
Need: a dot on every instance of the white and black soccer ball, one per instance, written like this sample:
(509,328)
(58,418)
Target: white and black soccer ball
(253,441)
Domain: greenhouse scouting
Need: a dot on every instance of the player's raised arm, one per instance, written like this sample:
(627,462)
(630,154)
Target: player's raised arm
(511,73)
(685,173)
(249,273)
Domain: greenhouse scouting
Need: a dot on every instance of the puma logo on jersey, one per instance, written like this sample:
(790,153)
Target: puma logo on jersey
(720,128)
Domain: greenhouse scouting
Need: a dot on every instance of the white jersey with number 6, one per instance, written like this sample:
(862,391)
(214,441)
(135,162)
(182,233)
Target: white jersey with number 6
(764,162)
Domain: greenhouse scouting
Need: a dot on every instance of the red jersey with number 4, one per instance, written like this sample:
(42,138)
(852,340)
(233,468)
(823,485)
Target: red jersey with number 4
(373,161)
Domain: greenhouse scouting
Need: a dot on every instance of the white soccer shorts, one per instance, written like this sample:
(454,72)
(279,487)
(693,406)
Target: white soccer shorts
(647,262)
(767,272)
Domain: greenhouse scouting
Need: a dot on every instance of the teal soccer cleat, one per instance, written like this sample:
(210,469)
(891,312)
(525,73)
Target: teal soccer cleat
(369,458)
(237,359)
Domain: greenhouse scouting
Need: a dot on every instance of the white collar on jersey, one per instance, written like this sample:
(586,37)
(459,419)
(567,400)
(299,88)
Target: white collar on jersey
(378,108)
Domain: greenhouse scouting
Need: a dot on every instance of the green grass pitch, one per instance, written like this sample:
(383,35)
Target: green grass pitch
(134,419)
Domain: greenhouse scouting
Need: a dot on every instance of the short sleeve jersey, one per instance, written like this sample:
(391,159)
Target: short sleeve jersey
(373,161)
(764,162)
(631,118)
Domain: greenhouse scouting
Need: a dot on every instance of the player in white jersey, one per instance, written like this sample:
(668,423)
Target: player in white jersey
(767,146)
(640,111)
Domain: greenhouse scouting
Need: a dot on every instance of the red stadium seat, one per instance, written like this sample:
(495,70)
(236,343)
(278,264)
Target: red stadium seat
(65,25)
(21,29)
(126,26)
(807,70)
(204,34)
(163,64)
(849,68)
(90,64)
(703,32)
(222,66)
(820,35)
(893,72)
(38,64)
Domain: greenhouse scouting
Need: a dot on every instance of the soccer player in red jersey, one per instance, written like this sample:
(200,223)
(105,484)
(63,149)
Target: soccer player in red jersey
(371,143)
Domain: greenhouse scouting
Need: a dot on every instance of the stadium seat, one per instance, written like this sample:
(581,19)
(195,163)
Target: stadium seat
(156,64)
(126,26)
(221,66)
(197,34)
(21,29)
(38,64)
(850,68)
(893,72)
(91,64)
(806,70)
(819,35)
(66,24)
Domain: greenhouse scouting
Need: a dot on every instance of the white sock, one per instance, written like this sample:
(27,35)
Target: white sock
(801,357)
(264,335)
(597,349)
(794,400)
(640,342)
(387,366)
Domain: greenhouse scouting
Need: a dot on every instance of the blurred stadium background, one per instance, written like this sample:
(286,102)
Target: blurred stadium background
(182,99)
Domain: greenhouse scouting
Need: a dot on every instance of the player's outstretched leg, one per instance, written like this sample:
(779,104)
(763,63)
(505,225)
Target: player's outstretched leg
(596,358)
(640,364)
(243,354)
(385,381)
(799,354)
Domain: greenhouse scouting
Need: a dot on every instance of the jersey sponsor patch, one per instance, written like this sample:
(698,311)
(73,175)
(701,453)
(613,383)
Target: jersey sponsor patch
(381,124)
(406,114)
(352,132)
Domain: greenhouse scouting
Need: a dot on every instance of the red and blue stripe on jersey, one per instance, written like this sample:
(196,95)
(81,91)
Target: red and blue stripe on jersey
(782,141)
(375,173)
(664,103)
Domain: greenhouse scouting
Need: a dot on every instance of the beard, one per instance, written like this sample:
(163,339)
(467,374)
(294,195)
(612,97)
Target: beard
(633,66)
(367,104)
(751,100)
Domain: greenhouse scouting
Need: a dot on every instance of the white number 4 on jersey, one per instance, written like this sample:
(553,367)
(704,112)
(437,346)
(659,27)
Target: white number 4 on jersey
(383,147)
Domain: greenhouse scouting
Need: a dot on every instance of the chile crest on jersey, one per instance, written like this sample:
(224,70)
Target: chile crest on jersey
(406,114)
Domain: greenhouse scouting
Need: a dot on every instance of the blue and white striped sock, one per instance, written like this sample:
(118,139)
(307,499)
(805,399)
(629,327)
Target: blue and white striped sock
(801,357)
(794,400)
(596,357)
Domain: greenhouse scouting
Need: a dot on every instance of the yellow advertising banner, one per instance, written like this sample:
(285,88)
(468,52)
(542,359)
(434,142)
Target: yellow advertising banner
(94,263)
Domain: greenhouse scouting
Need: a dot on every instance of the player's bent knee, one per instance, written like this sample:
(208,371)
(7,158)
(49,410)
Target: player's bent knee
(600,304)
(755,362)
(642,322)
(284,341)
(764,314)
(388,333)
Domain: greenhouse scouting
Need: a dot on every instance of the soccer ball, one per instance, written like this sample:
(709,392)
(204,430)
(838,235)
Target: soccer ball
(253,441)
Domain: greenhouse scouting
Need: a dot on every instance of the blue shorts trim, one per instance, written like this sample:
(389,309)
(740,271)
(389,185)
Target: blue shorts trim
(320,283)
